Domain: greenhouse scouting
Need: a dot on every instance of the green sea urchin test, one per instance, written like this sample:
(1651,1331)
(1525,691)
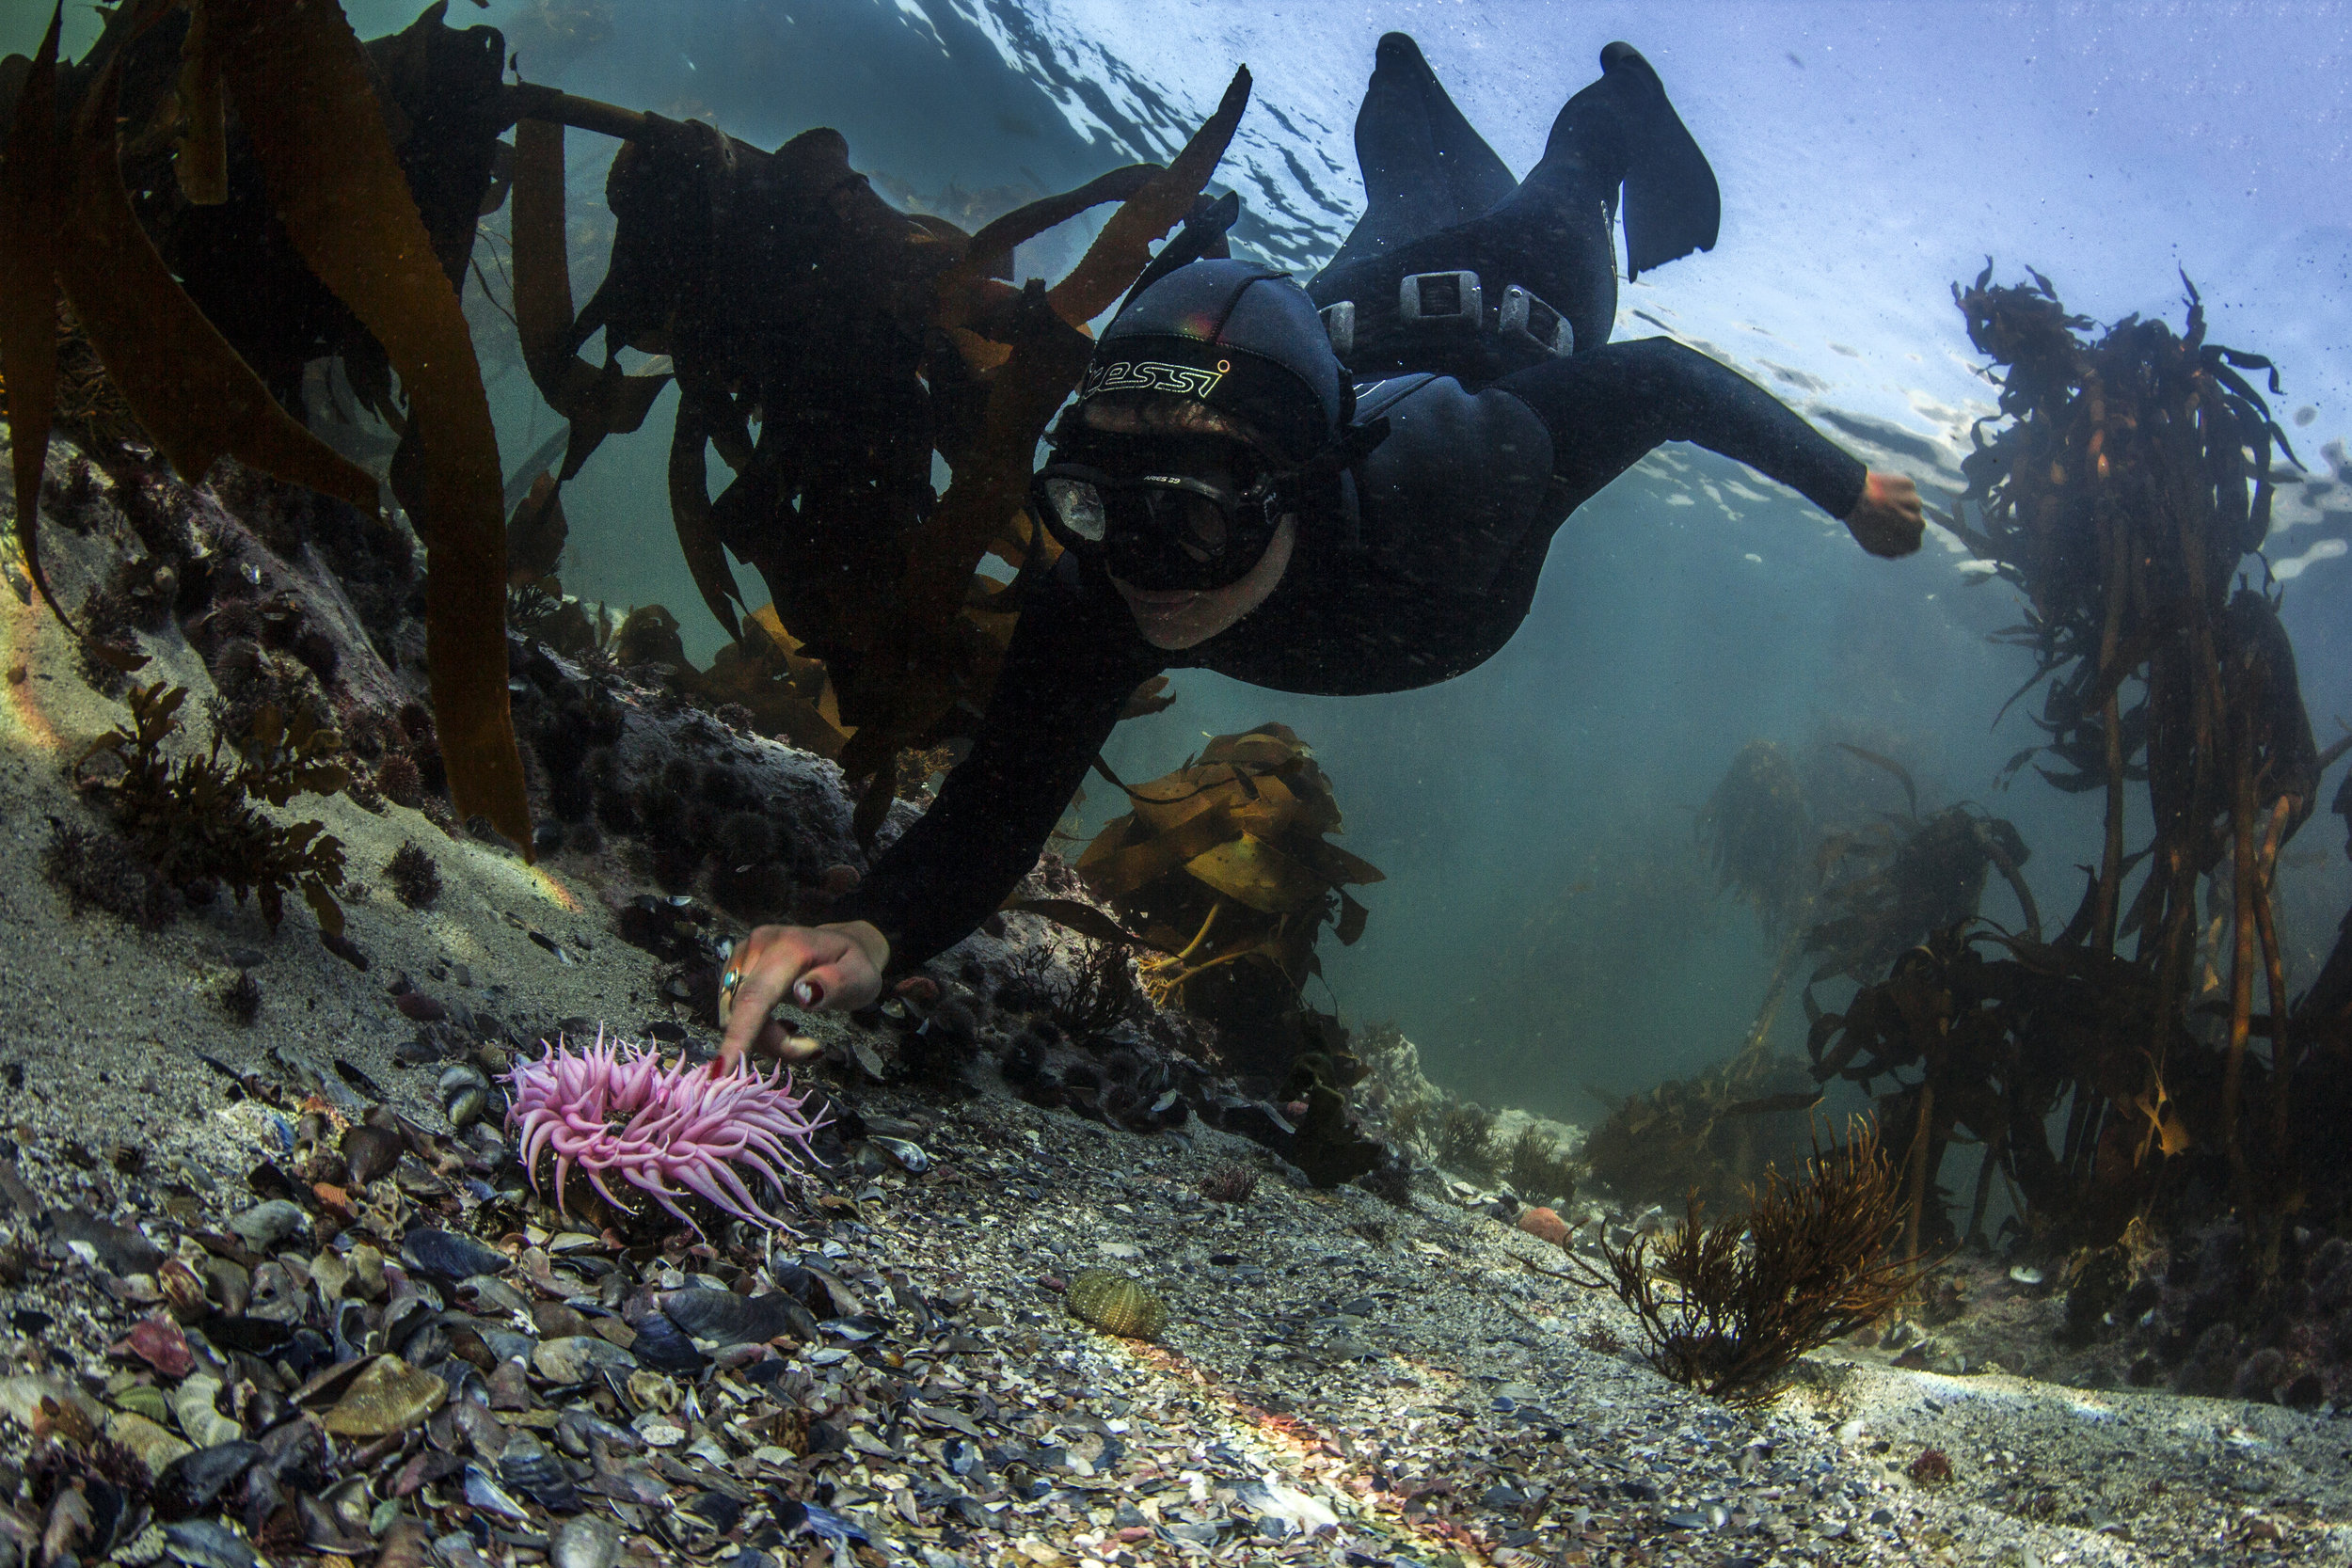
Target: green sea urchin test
(1116,1303)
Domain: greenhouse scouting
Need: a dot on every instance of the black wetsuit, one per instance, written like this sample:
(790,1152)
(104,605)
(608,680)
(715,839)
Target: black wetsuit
(1455,513)
(1429,561)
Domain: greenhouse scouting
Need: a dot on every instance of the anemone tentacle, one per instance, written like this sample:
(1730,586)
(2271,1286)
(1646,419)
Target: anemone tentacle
(674,1123)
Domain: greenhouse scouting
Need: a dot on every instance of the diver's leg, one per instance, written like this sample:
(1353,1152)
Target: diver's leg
(1551,235)
(1622,130)
(1620,133)
(1424,168)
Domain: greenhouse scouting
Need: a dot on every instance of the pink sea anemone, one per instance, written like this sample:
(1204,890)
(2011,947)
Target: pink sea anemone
(615,1107)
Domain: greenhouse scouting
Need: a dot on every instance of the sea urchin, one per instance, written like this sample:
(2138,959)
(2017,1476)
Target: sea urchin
(615,1107)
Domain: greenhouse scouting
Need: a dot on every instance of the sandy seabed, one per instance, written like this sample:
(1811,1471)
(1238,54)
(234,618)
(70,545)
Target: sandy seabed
(1340,1381)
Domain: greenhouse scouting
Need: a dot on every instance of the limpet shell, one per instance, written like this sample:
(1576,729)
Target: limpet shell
(1116,1303)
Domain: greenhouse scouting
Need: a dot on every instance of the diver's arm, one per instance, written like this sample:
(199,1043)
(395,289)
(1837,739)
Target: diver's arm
(1608,408)
(1073,661)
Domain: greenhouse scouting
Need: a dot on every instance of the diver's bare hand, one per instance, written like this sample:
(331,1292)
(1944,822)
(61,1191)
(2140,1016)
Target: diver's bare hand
(817,967)
(1887,521)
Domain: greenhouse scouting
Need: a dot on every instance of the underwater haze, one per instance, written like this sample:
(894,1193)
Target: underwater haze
(1548,919)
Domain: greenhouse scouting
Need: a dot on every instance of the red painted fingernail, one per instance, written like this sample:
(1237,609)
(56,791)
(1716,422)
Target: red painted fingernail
(808,993)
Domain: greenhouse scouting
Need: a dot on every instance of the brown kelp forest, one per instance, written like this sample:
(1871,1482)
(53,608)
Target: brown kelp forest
(237,230)
(234,229)
(2139,1093)
(246,222)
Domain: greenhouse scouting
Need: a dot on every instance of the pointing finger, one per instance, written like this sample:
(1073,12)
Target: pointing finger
(757,990)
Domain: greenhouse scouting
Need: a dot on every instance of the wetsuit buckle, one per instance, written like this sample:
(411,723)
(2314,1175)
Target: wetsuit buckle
(1339,324)
(1442,296)
(1532,321)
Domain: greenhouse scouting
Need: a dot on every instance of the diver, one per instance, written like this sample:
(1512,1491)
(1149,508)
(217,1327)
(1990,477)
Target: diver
(1344,489)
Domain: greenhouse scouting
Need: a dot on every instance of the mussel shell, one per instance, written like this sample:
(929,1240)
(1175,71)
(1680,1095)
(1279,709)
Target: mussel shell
(460,1077)
(529,1468)
(910,1301)
(446,1254)
(324,1531)
(190,1483)
(906,1156)
(725,1318)
(854,1329)
(700,1519)
(486,1495)
(371,1152)
(843,1302)
(427,1345)
(578,1431)
(355,1331)
(793,1516)
(207,1544)
(585,1542)
(665,1347)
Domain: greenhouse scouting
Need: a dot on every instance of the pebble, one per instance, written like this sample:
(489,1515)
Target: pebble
(585,1542)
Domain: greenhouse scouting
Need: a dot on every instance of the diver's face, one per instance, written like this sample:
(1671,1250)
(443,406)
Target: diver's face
(1176,618)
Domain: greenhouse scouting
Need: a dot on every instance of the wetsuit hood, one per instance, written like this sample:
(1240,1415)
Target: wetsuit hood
(1241,338)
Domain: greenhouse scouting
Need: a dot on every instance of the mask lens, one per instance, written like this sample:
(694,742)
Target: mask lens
(1195,522)
(1079,505)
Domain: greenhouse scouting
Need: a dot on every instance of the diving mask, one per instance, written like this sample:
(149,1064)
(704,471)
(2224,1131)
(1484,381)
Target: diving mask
(1158,531)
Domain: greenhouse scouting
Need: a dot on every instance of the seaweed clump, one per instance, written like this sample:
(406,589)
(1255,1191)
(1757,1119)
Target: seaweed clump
(95,870)
(1536,1166)
(241,999)
(1712,1134)
(413,875)
(2118,1072)
(1757,834)
(1101,993)
(1224,868)
(1743,1299)
(195,821)
(1463,1138)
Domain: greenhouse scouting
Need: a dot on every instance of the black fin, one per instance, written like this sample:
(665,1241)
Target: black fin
(1672,203)
(1424,167)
